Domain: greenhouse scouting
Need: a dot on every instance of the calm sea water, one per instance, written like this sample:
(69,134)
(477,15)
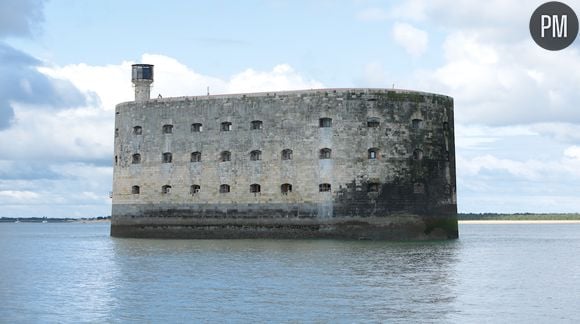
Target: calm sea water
(492,274)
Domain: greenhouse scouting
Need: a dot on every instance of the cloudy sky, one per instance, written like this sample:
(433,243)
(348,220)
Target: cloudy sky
(64,64)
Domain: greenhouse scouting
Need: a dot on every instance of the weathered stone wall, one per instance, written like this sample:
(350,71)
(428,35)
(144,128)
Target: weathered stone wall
(406,192)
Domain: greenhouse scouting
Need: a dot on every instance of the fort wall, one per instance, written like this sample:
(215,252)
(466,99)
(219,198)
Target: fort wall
(336,163)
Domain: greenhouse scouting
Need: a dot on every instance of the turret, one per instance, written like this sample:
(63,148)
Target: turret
(142,77)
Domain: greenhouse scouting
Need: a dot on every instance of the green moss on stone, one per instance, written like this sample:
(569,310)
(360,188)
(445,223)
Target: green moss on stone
(405,96)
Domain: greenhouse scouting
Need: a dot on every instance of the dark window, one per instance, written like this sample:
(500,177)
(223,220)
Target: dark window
(287,154)
(373,153)
(136,158)
(373,122)
(417,154)
(325,122)
(116,132)
(325,153)
(418,188)
(226,127)
(286,188)
(255,155)
(166,189)
(225,156)
(256,124)
(196,157)
(224,188)
(167,157)
(116,160)
(196,128)
(324,187)
(137,130)
(417,123)
(255,188)
(374,187)
(135,190)
(194,189)
(167,129)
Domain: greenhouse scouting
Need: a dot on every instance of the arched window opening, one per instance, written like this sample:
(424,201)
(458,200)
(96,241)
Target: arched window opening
(224,188)
(196,128)
(325,122)
(255,155)
(135,190)
(167,129)
(137,130)
(255,188)
(194,189)
(374,187)
(286,188)
(373,122)
(167,157)
(287,154)
(324,187)
(136,158)
(417,154)
(325,153)
(419,188)
(373,153)
(166,189)
(116,132)
(417,123)
(226,127)
(196,157)
(256,125)
(116,160)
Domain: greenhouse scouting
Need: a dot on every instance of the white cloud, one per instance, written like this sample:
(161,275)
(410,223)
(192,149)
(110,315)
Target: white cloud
(487,183)
(493,69)
(492,84)
(528,169)
(478,137)
(561,132)
(573,152)
(6,196)
(73,144)
(465,14)
(282,77)
(72,134)
(172,79)
(413,40)
(85,134)
(68,190)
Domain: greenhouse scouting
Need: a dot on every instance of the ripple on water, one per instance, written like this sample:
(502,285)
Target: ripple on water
(77,273)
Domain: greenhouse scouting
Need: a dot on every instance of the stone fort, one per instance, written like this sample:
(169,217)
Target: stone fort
(374,164)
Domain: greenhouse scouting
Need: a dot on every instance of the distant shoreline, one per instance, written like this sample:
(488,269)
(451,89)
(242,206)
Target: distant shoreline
(35,220)
(484,218)
(522,221)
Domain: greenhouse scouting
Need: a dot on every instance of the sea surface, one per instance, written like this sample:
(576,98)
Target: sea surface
(77,273)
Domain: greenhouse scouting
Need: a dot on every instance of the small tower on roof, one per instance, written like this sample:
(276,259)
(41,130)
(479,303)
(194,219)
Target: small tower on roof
(142,77)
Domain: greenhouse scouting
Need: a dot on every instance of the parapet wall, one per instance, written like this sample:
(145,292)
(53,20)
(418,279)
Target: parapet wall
(354,163)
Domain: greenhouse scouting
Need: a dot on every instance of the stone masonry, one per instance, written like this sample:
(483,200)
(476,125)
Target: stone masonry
(330,163)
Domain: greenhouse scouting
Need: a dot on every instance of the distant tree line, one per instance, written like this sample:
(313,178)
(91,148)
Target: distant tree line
(50,220)
(519,216)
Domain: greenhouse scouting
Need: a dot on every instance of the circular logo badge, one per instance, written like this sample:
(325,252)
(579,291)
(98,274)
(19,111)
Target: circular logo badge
(554,26)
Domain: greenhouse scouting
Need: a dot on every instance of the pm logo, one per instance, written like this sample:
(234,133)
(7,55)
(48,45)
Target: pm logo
(554,26)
